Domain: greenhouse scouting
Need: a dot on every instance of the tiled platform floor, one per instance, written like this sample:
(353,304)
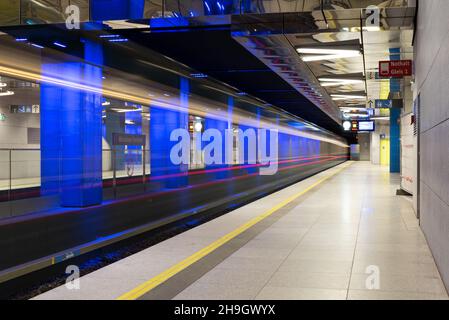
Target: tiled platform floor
(320,248)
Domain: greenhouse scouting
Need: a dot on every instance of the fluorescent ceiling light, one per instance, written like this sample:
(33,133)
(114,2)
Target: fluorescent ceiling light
(346,97)
(311,58)
(109,36)
(317,54)
(2,84)
(360,115)
(326,51)
(106,103)
(59,44)
(341,83)
(348,81)
(6,93)
(351,108)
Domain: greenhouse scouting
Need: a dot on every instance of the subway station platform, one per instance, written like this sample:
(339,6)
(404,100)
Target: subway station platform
(325,237)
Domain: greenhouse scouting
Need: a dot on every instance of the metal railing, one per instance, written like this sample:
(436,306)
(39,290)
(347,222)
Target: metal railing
(125,171)
(21,168)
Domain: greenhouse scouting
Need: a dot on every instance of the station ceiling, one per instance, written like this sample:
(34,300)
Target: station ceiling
(214,52)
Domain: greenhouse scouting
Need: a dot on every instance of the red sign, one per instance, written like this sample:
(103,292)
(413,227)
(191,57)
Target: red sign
(395,68)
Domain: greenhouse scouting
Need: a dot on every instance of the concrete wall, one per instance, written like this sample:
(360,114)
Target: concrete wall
(432,83)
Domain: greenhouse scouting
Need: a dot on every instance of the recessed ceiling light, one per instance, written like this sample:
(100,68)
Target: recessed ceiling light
(346,97)
(37,46)
(59,45)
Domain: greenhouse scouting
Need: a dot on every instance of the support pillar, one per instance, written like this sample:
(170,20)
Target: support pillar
(71,131)
(102,10)
(163,123)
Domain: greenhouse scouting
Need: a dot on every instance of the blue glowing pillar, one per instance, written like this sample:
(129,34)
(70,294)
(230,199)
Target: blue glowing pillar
(284,146)
(395,114)
(133,125)
(116,9)
(295,147)
(71,131)
(221,126)
(395,147)
(163,123)
(248,144)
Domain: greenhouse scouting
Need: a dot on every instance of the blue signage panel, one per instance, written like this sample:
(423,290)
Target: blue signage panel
(388,104)
(384,104)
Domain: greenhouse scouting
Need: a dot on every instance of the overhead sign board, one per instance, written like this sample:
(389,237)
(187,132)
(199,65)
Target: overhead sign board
(388,104)
(122,139)
(395,68)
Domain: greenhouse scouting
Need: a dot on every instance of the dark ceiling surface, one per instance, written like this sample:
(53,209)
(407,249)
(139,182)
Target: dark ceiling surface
(215,53)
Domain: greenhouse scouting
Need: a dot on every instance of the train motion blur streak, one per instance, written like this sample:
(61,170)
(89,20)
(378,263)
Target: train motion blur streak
(161,193)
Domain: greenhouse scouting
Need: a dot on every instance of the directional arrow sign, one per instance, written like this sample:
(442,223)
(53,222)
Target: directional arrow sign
(370,104)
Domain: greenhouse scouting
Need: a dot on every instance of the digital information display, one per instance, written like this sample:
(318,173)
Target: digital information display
(357,126)
(366,126)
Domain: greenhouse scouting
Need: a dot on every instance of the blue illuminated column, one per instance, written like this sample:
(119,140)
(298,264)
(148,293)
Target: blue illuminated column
(395,147)
(249,147)
(221,126)
(116,9)
(284,146)
(163,123)
(295,147)
(133,125)
(71,131)
(395,114)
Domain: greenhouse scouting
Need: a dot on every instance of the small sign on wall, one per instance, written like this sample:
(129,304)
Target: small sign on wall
(122,139)
(35,108)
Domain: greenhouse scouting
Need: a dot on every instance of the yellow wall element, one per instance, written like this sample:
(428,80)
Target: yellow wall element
(384,89)
(384,112)
(385,152)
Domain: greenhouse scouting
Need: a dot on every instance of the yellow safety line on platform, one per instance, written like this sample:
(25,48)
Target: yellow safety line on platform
(170,272)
